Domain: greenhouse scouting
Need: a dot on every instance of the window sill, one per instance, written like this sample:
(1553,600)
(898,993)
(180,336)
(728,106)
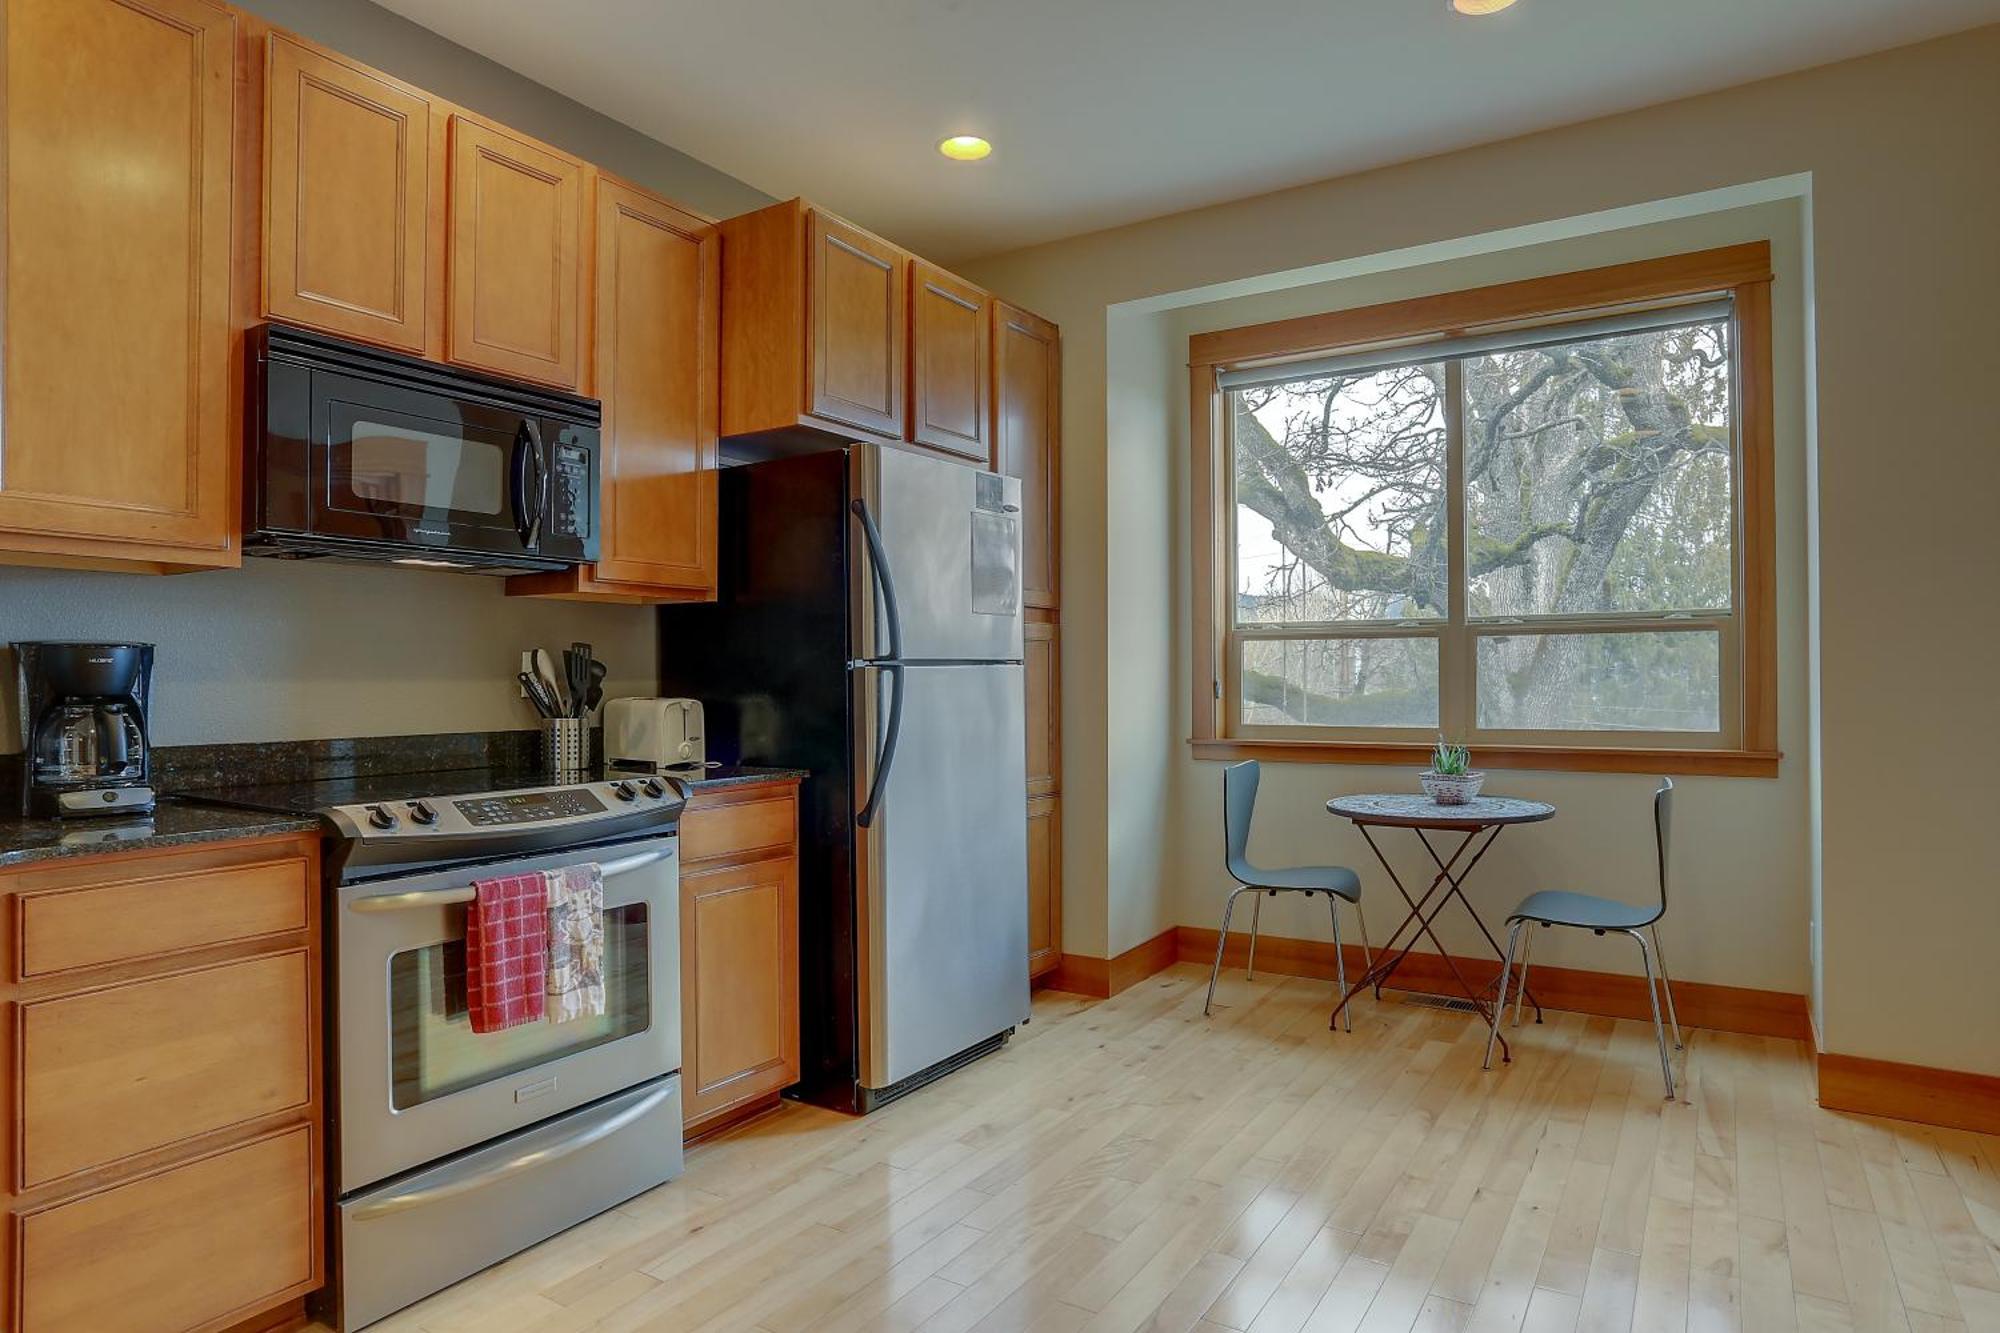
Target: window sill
(1572,758)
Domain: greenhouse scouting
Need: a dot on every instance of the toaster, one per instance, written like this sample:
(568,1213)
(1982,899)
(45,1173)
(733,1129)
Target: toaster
(654,735)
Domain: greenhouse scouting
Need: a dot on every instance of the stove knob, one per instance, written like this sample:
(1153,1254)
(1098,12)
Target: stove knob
(652,788)
(623,791)
(423,812)
(382,817)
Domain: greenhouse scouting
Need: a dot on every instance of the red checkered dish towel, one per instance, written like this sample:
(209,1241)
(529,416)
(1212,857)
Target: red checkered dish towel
(507,951)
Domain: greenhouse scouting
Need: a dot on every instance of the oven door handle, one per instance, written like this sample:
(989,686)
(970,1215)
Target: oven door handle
(404,1200)
(397,902)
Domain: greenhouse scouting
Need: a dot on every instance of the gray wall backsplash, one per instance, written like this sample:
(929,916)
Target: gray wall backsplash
(285,651)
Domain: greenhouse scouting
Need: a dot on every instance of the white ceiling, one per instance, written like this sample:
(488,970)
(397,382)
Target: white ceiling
(1107,111)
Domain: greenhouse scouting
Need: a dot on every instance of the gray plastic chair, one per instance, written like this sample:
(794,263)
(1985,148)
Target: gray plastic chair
(1584,911)
(1239,804)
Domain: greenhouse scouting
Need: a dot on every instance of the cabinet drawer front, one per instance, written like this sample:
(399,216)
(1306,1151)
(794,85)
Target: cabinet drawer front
(117,1071)
(221,1237)
(732,830)
(64,929)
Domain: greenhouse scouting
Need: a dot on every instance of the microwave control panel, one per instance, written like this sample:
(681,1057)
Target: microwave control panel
(571,515)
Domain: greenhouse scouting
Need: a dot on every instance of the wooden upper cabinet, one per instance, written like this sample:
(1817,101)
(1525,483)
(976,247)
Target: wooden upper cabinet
(351,161)
(815,327)
(659,280)
(517,264)
(855,325)
(120,440)
(950,370)
(1027,429)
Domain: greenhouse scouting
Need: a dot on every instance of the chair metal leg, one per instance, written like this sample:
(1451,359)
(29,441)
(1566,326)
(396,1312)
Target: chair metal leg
(1221,943)
(1659,1031)
(1500,1001)
(1521,991)
(1256,917)
(1667,985)
(1339,956)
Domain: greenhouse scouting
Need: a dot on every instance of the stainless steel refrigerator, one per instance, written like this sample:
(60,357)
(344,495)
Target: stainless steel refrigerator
(868,628)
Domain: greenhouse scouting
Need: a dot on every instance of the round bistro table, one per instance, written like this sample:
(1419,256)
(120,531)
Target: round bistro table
(1480,820)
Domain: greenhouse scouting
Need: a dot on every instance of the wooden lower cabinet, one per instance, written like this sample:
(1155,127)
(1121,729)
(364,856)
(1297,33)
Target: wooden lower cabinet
(161,1086)
(739,952)
(1044,885)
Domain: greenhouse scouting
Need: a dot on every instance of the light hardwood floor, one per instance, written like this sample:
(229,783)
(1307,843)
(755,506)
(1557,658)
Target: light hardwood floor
(1128,1164)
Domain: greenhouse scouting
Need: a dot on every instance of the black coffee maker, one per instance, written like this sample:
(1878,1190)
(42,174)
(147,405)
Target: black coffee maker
(85,749)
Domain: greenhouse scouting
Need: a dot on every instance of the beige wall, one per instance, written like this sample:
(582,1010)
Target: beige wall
(1901,245)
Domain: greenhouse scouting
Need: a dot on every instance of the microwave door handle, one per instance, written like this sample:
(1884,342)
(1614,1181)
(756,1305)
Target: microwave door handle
(399,902)
(528,497)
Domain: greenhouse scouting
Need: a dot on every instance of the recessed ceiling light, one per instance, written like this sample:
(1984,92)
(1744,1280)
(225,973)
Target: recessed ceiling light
(965,148)
(1478,7)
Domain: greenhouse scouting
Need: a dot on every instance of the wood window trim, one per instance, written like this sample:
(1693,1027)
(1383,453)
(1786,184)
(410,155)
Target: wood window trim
(1743,271)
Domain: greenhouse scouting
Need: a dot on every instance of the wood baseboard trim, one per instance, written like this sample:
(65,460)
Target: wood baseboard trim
(1102,978)
(1928,1096)
(729,1117)
(1758,1013)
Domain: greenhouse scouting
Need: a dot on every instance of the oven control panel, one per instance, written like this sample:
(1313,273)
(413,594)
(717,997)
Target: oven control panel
(503,813)
(528,807)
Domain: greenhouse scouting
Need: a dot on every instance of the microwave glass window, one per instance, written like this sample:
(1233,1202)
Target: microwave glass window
(433,1051)
(401,468)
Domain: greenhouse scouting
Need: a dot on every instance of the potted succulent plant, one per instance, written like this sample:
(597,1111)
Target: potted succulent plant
(1451,779)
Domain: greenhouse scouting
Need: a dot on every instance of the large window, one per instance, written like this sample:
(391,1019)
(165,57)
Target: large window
(1532,517)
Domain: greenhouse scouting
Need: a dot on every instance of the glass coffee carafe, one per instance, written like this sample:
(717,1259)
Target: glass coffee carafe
(83,718)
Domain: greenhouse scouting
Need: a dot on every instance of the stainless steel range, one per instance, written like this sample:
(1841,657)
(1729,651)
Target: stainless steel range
(450,1151)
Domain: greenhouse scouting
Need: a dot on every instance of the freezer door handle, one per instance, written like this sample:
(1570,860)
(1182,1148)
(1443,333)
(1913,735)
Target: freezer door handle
(878,559)
(886,756)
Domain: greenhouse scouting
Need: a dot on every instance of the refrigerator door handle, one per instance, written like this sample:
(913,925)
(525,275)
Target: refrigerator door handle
(879,560)
(887,757)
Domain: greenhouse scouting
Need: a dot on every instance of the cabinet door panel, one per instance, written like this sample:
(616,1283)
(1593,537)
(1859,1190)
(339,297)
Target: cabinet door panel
(1044,885)
(1041,646)
(1027,426)
(198,1246)
(950,366)
(739,983)
(516,256)
(855,326)
(117,280)
(348,175)
(658,299)
(112,1072)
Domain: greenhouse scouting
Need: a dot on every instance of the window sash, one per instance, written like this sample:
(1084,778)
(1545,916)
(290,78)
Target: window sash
(1457,632)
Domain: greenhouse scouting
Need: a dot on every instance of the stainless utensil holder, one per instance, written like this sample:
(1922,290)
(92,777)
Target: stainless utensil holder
(566,747)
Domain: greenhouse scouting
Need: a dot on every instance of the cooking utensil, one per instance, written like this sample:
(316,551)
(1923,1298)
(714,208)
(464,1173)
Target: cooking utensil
(545,671)
(537,695)
(594,696)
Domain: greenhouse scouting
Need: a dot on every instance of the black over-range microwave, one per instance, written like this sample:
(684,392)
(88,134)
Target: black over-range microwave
(366,454)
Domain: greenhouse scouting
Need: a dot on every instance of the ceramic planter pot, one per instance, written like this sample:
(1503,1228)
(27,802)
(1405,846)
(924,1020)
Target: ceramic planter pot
(1452,790)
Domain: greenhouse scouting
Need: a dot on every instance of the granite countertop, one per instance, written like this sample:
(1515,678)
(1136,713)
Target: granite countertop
(173,824)
(178,822)
(740,775)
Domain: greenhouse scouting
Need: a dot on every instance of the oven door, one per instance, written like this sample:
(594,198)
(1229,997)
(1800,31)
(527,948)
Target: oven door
(403,465)
(415,1083)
